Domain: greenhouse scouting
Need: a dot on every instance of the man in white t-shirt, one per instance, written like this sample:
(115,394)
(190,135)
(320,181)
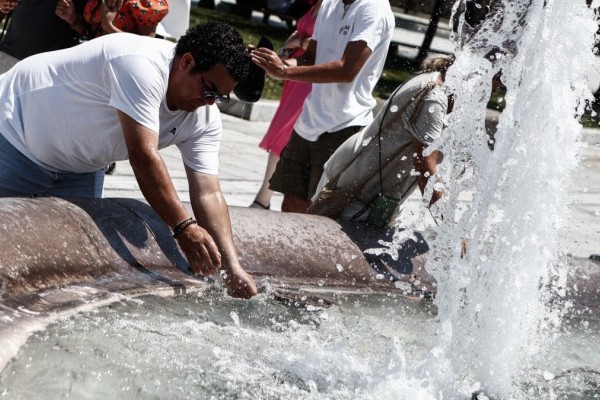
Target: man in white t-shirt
(344,60)
(67,114)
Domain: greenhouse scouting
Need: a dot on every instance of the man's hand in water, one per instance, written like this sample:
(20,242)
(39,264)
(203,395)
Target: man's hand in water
(210,208)
(239,283)
(205,259)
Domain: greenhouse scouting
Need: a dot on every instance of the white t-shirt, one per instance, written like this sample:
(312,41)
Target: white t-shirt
(334,106)
(60,108)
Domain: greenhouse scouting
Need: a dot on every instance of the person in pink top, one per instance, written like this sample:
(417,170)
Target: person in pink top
(292,98)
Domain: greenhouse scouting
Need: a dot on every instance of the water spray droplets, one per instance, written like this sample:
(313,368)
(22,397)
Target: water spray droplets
(234,316)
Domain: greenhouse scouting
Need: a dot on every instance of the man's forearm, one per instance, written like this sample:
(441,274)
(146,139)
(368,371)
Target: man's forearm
(151,172)
(332,72)
(212,214)
(156,186)
(426,167)
(304,68)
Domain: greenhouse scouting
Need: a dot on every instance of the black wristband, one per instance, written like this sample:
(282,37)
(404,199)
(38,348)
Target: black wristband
(180,227)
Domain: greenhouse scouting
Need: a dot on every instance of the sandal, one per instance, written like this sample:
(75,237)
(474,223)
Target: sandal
(256,204)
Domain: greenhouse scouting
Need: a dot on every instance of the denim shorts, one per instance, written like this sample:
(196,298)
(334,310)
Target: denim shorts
(301,165)
(21,177)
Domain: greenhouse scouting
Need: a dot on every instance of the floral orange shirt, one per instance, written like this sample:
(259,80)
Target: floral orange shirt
(133,13)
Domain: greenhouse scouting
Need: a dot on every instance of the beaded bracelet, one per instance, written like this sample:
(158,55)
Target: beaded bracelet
(180,227)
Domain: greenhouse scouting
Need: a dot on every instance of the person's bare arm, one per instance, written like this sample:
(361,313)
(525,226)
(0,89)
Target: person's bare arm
(303,68)
(212,213)
(307,58)
(426,166)
(108,11)
(156,185)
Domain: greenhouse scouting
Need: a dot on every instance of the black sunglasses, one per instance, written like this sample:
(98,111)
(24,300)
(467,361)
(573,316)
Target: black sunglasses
(218,98)
(212,95)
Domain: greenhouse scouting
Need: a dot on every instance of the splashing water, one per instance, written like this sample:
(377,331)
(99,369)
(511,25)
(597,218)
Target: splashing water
(505,206)
(493,300)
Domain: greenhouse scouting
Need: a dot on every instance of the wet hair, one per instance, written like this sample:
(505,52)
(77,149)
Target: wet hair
(213,43)
(437,64)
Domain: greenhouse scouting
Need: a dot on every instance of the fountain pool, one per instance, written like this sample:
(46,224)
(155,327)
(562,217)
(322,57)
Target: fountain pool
(207,345)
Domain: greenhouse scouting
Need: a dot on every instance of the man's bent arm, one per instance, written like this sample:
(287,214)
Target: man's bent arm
(211,211)
(156,185)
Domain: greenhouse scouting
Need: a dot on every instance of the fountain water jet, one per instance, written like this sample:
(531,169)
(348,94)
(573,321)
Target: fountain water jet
(493,302)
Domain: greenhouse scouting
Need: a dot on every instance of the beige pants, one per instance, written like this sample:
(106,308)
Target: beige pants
(6,62)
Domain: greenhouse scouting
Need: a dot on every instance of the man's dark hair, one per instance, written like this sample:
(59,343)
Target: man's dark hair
(213,43)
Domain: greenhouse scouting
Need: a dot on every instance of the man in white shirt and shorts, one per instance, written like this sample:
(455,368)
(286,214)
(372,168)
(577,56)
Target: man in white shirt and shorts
(344,60)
